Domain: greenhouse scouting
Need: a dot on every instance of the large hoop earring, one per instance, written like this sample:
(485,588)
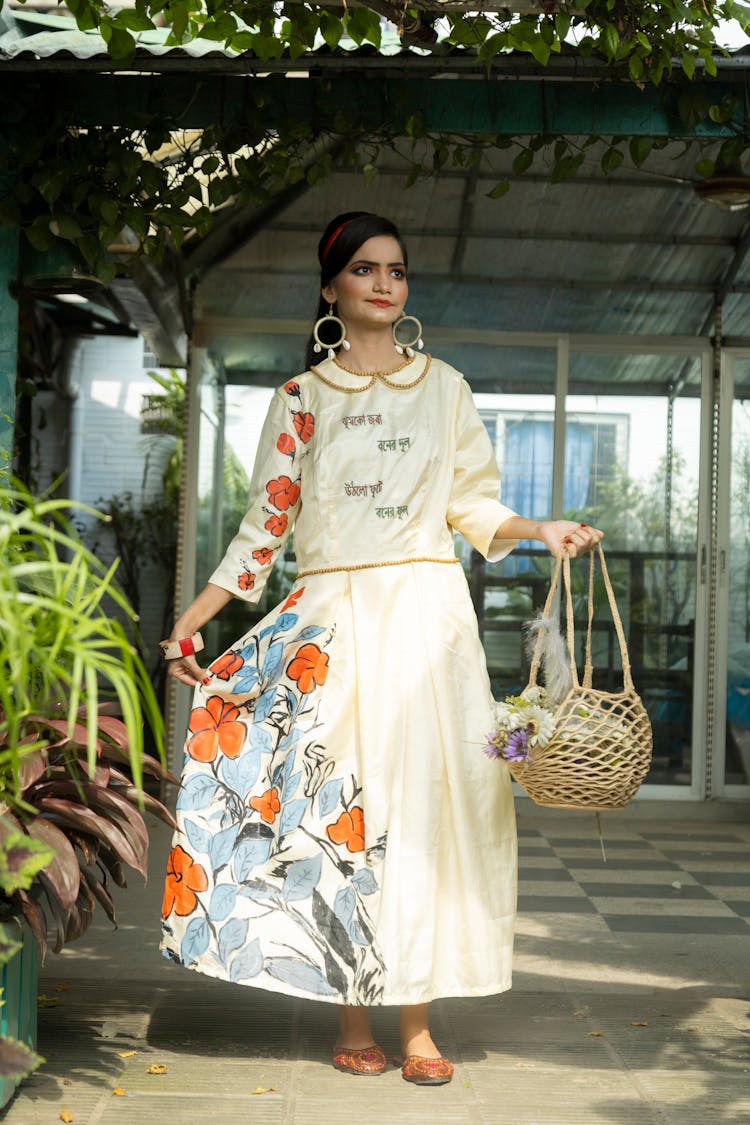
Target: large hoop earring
(342,342)
(402,345)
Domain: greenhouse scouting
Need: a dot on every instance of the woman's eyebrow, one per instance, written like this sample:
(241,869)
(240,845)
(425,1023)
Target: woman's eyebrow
(367,262)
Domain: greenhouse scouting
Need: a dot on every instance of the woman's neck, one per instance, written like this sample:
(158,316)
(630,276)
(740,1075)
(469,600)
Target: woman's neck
(370,352)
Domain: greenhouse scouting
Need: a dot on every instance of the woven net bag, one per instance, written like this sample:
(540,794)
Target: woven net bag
(600,751)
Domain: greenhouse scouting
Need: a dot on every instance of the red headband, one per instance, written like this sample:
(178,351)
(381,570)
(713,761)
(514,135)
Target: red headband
(331,241)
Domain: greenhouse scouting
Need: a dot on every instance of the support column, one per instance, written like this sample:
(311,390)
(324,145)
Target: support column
(8,344)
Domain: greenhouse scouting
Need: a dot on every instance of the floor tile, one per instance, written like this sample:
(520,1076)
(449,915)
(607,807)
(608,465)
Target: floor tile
(674,924)
(646,890)
(556,904)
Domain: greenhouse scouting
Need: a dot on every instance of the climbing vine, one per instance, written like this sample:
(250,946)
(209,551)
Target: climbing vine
(112,192)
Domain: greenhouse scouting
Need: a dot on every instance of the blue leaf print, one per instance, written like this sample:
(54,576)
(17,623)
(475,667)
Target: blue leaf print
(291,784)
(260,739)
(273,659)
(223,898)
(355,933)
(247,964)
(248,651)
(343,906)
(291,815)
(246,679)
(310,631)
(221,846)
(195,941)
(264,706)
(199,838)
(299,974)
(329,795)
(289,765)
(258,891)
(248,854)
(264,632)
(295,734)
(241,773)
(302,878)
(231,936)
(285,622)
(365,881)
(197,792)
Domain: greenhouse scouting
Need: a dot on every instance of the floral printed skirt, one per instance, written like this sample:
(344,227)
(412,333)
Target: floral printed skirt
(341,835)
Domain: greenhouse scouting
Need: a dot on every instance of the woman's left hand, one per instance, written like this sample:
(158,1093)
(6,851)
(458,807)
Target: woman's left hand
(565,537)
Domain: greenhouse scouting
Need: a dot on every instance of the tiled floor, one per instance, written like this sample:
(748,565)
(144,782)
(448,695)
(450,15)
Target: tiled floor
(682,880)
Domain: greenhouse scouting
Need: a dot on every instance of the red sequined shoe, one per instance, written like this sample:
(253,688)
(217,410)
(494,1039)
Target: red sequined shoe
(368,1060)
(426,1072)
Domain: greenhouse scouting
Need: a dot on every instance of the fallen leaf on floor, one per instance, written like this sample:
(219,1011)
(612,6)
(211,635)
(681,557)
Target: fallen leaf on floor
(67,1081)
(47,1001)
(119,1091)
(677,886)
(157,1068)
(599,1032)
(581,1013)
(126,1054)
(639,1023)
(66,1117)
(264,1090)
(63,986)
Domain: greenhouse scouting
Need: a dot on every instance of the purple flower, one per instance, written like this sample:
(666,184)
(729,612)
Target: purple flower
(516,750)
(492,750)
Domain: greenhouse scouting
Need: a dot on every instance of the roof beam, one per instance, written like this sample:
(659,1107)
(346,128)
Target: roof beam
(484,234)
(462,105)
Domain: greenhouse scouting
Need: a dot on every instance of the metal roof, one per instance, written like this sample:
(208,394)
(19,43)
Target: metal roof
(633,254)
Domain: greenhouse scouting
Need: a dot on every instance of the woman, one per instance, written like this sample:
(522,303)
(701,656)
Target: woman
(342,836)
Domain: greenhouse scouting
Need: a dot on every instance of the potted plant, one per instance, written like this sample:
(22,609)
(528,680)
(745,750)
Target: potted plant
(71,770)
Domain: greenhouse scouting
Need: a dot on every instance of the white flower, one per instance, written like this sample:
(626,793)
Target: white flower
(540,723)
(534,694)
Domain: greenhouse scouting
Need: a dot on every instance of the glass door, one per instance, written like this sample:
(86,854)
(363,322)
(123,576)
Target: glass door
(633,446)
(731,775)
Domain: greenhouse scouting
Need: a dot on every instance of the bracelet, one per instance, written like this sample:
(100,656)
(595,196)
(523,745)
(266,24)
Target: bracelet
(188,646)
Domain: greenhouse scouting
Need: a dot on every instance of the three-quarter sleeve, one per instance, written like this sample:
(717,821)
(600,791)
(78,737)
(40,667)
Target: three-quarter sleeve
(274,500)
(473,507)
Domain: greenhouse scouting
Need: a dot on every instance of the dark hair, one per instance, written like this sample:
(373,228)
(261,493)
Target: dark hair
(339,243)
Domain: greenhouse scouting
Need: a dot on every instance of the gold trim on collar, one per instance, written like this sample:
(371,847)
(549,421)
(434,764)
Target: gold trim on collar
(374,377)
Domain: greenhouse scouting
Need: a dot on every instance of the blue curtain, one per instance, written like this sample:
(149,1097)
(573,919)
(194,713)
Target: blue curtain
(526,471)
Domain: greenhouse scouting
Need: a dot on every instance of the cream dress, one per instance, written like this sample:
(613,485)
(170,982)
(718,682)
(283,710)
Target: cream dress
(341,835)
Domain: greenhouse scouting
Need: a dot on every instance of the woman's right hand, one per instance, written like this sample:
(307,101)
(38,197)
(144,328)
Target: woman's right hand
(188,671)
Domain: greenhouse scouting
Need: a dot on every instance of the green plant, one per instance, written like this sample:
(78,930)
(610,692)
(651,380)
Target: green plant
(60,646)
(91,823)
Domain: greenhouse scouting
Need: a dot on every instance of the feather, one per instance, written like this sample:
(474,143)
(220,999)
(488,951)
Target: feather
(555,661)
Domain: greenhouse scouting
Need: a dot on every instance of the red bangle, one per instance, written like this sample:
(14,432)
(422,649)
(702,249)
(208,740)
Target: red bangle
(186,646)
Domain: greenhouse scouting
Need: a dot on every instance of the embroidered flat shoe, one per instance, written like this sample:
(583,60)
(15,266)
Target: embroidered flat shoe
(368,1060)
(426,1072)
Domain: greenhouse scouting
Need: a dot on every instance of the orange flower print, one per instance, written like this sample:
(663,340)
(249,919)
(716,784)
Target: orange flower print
(246,580)
(283,493)
(277,524)
(267,805)
(285,444)
(309,667)
(225,667)
(293,598)
(263,556)
(292,388)
(215,727)
(349,829)
(304,424)
(184,878)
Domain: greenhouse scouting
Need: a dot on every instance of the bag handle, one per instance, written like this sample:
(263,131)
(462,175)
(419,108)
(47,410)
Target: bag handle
(563,564)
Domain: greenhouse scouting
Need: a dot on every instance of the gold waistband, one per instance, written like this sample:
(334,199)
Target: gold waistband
(372,565)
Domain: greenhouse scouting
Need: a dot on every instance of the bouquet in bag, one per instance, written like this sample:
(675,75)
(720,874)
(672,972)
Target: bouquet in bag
(568,744)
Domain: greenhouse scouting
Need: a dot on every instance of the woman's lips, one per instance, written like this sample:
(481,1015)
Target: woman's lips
(381,304)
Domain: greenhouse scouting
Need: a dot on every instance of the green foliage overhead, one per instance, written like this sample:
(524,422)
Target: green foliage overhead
(104,187)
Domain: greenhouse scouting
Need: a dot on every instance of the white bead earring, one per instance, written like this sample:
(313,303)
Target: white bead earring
(407,346)
(342,342)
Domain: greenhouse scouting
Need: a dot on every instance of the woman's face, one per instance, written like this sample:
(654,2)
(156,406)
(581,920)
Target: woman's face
(371,288)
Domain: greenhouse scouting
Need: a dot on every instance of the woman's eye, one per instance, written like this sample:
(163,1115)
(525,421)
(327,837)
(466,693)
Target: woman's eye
(400,274)
(362,269)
